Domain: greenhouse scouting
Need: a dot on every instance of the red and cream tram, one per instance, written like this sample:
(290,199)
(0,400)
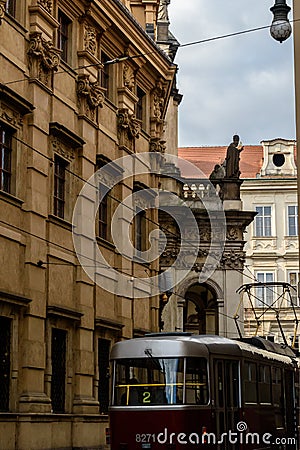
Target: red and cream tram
(183,391)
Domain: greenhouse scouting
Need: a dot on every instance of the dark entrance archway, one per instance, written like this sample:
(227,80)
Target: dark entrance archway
(200,313)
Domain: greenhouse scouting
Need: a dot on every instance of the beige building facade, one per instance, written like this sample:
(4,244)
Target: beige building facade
(272,244)
(82,84)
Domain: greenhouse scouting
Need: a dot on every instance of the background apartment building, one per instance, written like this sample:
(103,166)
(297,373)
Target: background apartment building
(269,189)
(64,113)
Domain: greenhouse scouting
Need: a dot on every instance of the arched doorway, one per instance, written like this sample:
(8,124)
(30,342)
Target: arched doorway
(200,313)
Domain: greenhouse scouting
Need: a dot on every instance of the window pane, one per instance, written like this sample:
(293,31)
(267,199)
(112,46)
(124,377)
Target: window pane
(250,377)
(58,360)
(149,381)
(11,7)
(63,35)
(263,221)
(5,158)
(196,381)
(264,294)
(59,186)
(292,220)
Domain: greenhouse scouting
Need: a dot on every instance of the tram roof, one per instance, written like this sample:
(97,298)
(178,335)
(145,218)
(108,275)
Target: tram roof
(166,345)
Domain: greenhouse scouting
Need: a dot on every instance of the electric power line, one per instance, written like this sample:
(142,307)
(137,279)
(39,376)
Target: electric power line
(140,55)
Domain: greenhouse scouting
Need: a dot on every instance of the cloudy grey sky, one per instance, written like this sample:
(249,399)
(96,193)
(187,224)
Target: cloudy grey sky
(242,84)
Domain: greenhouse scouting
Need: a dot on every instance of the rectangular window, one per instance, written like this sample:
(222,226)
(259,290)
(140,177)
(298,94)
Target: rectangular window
(5,339)
(103,217)
(292,220)
(263,224)
(264,384)
(264,294)
(11,7)
(140,230)
(153,381)
(5,158)
(103,364)
(250,377)
(104,209)
(196,383)
(58,360)
(140,106)
(292,277)
(63,37)
(106,75)
(59,186)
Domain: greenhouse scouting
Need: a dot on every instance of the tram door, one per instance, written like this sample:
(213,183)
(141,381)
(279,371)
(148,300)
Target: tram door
(227,401)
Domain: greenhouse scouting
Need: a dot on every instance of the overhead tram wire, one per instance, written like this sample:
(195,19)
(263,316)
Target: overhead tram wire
(124,58)
(79,265)
(140,55)
(240,271)
(126,206)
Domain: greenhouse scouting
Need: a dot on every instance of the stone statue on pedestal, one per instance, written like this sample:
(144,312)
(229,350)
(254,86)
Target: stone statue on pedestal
(233,158)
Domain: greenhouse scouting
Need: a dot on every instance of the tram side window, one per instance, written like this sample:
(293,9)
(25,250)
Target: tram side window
(148,381)
(277,395)
(250,377)
(277,386)
(196,388)
(264,384)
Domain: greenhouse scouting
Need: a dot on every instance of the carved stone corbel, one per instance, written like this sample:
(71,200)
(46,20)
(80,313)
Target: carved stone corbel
(157,145)
(90,96)
(44,58)
(233,259)
(46,4)
(128,77)
(128,128)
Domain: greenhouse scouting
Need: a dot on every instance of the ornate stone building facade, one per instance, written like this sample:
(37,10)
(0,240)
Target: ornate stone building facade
(82,83)
(206,300)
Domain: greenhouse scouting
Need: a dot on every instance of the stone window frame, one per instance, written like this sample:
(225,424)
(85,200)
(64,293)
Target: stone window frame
(68,320)
(104,207)
(6,153)
(68,21)
(11,307)
(13,108)
(141,106)
(65,145)
(263,219)
(264,295)
(291,216)
(60,186)
(110,330)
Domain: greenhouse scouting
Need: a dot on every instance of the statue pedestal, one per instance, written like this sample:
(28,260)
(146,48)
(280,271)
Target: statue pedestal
(231,193)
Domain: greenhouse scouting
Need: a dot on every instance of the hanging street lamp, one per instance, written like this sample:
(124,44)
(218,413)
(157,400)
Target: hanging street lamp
(281,28)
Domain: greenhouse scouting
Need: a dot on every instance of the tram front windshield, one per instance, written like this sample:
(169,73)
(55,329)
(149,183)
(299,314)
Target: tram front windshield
(160,381)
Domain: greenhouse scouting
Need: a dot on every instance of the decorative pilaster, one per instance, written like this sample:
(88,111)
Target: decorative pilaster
(90,96)
(158,96)
(44,59)
(128,128)
(90,39)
